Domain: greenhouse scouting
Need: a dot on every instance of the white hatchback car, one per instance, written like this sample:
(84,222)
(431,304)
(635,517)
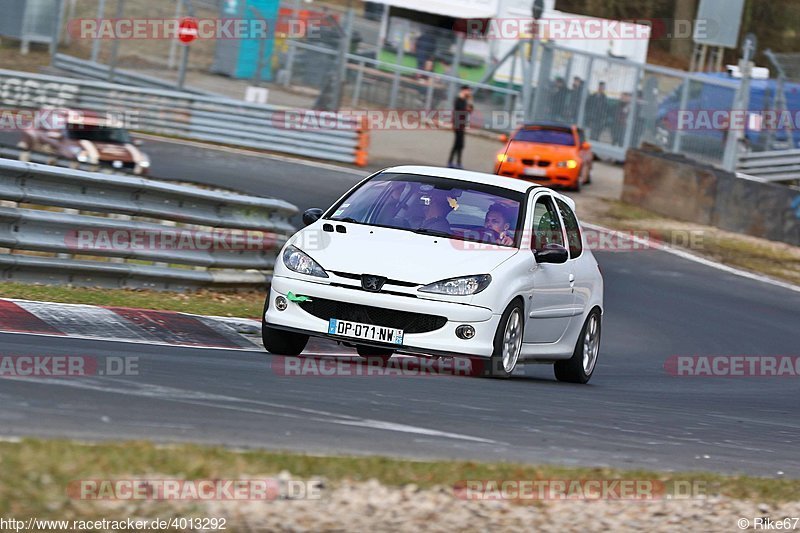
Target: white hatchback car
(434,261)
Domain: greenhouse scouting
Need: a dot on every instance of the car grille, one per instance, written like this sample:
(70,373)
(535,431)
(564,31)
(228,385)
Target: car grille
(376,316)
(348,275)
(532,163)
(125,164)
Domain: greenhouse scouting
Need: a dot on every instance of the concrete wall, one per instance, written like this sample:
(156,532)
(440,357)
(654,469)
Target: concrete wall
(682,189)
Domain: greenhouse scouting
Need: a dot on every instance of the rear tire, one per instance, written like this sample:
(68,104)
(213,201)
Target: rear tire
(381,355)
(280,342)
(580,367)
(507,343)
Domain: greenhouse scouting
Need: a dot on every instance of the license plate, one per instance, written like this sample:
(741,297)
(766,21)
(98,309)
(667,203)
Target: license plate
(369,332)
(535,171)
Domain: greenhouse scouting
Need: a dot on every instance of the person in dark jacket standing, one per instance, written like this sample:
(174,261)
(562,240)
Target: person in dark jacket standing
(597,112)
(461,110)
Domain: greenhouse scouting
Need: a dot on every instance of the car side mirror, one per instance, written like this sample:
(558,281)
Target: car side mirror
(552,253)
(54,134)
(503,138)
(586,146)
(312,215)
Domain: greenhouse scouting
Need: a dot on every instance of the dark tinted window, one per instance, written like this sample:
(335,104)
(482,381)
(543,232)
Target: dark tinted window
(97,133)
(546,227)
(573,229)
(546,136)
(455,209)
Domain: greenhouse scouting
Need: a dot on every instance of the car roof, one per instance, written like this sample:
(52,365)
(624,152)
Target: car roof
(545,124)
(466,175)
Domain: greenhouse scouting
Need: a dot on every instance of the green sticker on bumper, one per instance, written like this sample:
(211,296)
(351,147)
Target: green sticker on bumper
(295,298)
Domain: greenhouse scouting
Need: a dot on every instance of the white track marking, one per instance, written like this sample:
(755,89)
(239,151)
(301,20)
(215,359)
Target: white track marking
(86,321)
(147,390)
(696,258)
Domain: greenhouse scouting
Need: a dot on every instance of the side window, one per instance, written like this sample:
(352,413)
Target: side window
(546,227)
(581,137)
(573,229)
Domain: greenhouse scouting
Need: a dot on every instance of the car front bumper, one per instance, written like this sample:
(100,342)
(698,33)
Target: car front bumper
(564,177)
(440,341)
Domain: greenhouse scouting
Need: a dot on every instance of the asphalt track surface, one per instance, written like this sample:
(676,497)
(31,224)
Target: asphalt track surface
(633,413)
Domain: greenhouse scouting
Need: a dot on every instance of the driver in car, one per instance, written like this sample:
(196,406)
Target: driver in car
(437,207)
(498,224)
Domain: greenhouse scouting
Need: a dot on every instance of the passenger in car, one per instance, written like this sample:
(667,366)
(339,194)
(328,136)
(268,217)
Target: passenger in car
(498,224)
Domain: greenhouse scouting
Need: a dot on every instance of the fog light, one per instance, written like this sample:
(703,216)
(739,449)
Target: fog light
(281,304)
(465,332)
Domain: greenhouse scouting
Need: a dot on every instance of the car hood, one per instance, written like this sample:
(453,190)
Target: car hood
(397,254)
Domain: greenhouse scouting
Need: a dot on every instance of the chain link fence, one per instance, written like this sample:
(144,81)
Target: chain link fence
(354,59)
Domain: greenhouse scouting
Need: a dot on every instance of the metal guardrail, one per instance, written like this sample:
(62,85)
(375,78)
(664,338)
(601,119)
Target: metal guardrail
(241,254)
(775,166)
(101,72)
(205,118)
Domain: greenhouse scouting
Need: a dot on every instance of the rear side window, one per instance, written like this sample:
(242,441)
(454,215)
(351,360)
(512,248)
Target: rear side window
(546,227)
(572,227)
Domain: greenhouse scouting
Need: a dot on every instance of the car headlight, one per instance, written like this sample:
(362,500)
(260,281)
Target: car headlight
(504,158)
(297,261)
(570,163)
(459,286)
(144,164)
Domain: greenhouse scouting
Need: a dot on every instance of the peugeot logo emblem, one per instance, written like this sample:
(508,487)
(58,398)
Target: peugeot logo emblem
(372,283)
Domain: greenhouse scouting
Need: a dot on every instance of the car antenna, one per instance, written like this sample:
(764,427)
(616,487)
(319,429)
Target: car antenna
(505,155)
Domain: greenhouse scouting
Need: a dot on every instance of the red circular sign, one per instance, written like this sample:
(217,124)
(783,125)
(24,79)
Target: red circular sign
(187,30)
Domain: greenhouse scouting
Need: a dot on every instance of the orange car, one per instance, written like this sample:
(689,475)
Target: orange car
(556,155)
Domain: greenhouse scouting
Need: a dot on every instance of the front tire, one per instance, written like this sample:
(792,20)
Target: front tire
(578,182)
(507,343)
(580,367)
(279,342)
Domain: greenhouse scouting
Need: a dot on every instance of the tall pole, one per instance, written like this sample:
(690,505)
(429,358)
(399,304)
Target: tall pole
(341,68)
(185,56)
(112,63)
(101,12)
(740,104)
(57,30)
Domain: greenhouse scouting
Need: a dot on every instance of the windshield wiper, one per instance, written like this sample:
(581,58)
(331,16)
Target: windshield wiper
(433,233)
(346,219)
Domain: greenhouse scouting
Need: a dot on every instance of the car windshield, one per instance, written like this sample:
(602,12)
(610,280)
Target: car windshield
(546,136)
(435,206)
(97,133)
